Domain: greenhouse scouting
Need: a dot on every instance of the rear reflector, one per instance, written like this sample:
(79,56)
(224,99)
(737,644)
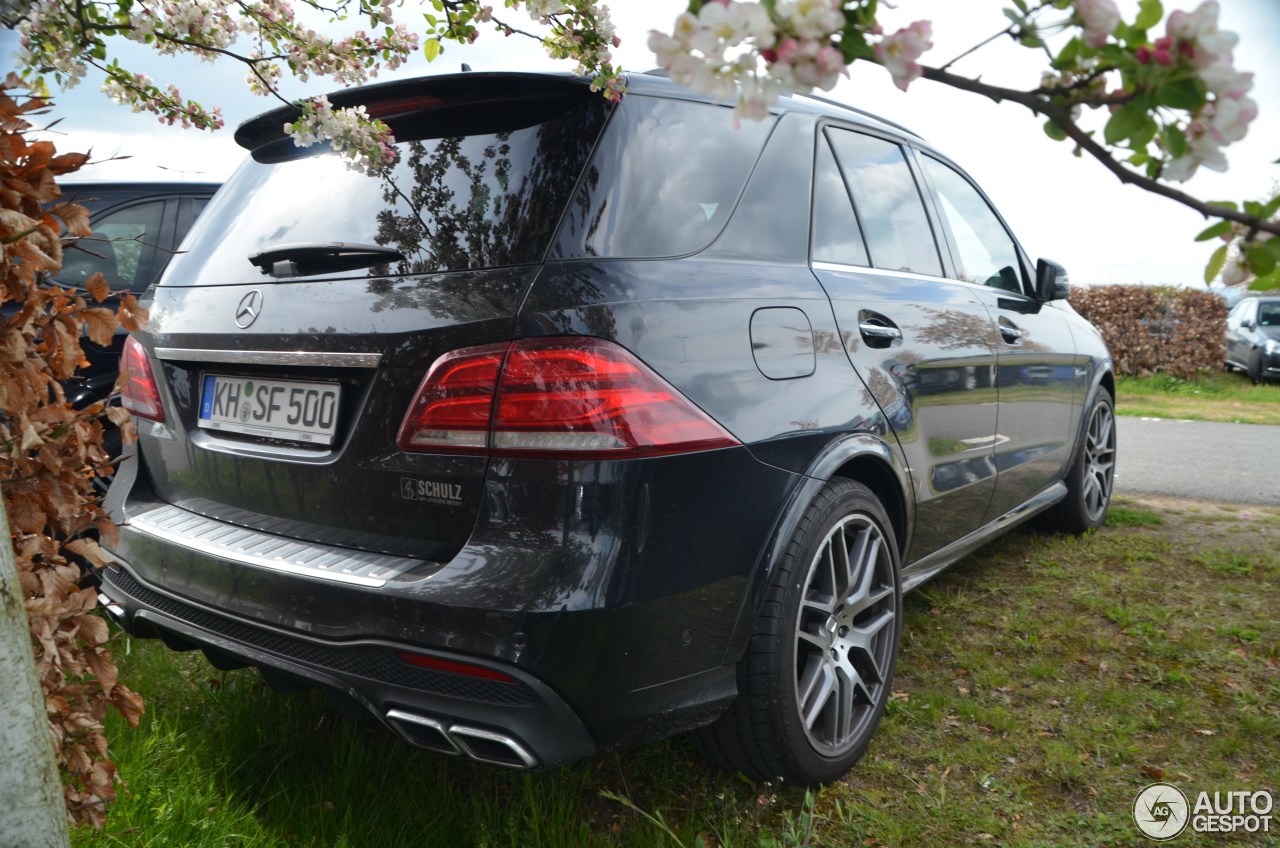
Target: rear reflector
(454,667)
(567,397)
(140,394)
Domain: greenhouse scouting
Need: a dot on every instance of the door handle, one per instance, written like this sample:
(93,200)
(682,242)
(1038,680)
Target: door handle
(879,331)
(1012,334)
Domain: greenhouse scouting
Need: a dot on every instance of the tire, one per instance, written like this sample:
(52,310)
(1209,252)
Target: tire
(817,672)
(1091,478)
(1255,367)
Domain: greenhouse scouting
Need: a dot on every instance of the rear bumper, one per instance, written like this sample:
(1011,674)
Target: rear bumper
(521,724)
(612,634)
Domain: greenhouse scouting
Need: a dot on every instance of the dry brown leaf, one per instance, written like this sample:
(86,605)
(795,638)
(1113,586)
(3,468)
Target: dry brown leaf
(100,324)
(98,287)
(133,316)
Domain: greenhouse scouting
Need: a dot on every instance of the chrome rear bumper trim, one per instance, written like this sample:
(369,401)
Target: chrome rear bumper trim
(263,550)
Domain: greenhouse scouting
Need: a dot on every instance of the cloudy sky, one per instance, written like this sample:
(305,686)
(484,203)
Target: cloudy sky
(1059,206)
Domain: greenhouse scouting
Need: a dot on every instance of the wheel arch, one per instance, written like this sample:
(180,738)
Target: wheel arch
(879,476)
(864,457)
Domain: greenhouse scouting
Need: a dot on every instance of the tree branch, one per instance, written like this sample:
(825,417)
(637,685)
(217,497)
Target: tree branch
(1041,105)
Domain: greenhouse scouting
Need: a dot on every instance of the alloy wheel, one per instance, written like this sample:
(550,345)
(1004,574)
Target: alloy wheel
(1100,461)
(845,636)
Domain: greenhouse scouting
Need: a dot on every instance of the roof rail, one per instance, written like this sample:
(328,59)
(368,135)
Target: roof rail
(662,72)
(833,102)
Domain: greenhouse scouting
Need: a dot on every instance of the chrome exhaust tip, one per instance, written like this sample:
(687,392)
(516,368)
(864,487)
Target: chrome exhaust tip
(423,732)
(483,746)
(496,749)
(113,609)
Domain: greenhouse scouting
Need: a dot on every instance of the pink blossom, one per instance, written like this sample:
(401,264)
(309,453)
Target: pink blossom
(1099,19)
(898,52)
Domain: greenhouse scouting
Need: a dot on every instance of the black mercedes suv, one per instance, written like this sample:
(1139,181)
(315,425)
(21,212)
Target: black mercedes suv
(585,425)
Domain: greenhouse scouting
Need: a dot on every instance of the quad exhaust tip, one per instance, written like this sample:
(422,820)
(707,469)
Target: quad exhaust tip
(485,746)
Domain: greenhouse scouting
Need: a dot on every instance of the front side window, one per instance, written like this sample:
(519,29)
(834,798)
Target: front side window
(1269,314)
(122,246)
(985,253)
(1237,315)
(888,203)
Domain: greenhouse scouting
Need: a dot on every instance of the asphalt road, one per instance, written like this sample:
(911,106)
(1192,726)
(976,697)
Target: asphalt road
(1234,463)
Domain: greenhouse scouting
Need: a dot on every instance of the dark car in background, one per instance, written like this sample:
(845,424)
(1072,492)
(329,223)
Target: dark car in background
(585,425)
(137,227)
(1253,338)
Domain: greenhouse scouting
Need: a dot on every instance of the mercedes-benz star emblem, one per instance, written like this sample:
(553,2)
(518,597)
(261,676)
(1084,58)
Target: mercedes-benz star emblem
(247,311)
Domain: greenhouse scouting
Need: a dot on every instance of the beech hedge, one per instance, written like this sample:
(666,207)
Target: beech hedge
(1157,329)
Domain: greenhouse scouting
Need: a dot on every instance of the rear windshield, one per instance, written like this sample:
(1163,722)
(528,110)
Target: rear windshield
(449,204)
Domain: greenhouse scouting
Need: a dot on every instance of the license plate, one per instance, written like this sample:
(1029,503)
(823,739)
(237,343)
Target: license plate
(271,409)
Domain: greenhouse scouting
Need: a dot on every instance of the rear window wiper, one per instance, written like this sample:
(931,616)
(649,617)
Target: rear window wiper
(303,258)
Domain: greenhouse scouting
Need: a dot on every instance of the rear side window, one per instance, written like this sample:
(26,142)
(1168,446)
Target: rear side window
(663,181)
(888,203)
(836,236)
(449,204)
(985,252)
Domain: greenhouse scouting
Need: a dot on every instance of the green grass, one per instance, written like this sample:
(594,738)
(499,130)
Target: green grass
(1042,683)
(1215,397)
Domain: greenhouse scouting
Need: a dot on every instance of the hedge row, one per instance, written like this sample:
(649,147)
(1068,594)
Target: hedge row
(1153,330)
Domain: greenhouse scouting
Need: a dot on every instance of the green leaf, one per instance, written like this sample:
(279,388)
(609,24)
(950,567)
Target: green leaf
(1022,5)
(1273,245)
(1272,207)
(1013,16)
(1186,94)
(1254,208)
(1214,268)
(1068,55)
(1054,131)
(1175,141)
(1219,229)
(1261,261)
(1127,122)
(1030,39)
(431,49)
(1143,137)
(1149,14)
(1267,283)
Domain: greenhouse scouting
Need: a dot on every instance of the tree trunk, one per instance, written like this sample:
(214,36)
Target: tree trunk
(32,811)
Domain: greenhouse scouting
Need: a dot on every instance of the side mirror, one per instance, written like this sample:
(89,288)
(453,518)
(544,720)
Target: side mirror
(1051,281)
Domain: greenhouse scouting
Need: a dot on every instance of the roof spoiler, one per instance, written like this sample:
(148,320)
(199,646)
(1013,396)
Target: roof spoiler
(431,107)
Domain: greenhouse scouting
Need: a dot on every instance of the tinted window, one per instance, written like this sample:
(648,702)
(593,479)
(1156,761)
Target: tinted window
(888,203)
(985,253)
(1269,314)
(121,247)
(836,237)
(448,204)
(664,180)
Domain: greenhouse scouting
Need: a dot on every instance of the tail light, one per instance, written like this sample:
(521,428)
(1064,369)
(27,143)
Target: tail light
(140,393)
(569,397)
